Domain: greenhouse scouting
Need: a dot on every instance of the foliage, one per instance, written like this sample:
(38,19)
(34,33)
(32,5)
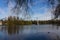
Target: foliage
(57,9)
(14,21)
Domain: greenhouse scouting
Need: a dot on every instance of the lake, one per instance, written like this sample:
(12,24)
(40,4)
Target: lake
(30,32)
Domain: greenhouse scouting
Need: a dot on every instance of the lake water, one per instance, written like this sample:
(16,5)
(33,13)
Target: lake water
(30,32)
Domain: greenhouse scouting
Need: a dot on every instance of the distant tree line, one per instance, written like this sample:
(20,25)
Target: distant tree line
(16,21)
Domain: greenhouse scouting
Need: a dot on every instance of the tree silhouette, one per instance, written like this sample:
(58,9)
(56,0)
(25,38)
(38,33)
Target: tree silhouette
(56,12)
(24,4)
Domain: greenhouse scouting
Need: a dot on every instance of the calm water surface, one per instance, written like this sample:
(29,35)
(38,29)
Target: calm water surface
(30,32)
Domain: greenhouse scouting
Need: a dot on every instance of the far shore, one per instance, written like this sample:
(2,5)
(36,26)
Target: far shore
(22,22)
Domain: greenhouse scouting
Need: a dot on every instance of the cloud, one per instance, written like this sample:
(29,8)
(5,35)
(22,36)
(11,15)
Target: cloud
(2,11)
(45,16)
(6,11)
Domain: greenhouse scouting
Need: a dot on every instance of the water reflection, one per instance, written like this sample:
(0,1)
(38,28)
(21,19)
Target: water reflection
(31,32)
(13,30)
(56,25)
(29,28)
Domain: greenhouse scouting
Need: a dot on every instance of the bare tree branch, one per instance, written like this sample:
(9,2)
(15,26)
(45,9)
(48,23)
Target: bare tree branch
(56,13)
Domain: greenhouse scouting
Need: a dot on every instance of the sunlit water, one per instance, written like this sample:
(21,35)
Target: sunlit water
(30,32)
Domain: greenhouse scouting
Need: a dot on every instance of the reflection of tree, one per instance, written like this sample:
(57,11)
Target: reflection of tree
(57,26)
(14,29)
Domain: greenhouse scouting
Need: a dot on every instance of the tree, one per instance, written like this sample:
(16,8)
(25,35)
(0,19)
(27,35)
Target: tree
(24,4)
(56,12)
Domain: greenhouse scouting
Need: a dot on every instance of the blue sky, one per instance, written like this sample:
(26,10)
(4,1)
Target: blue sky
(40,8)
